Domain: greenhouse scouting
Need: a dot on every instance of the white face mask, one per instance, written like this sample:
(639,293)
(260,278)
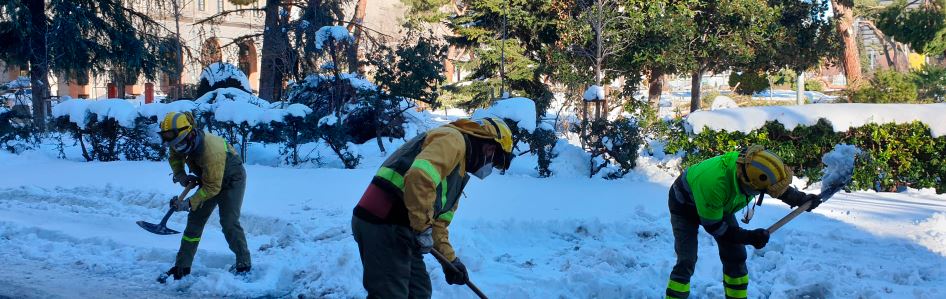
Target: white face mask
(484,171)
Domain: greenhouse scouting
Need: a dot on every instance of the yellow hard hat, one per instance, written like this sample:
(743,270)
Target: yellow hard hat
(763,171)
(175,127)
(500,131)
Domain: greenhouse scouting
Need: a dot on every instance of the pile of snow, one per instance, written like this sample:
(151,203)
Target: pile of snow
(842,116)
(619,245)
(159,110)
(228,105)
(336,33)
(20,82)
(356,81)
(839,167)
(221,71)
(594,93)
(230,94)
(519,110)
(723,102)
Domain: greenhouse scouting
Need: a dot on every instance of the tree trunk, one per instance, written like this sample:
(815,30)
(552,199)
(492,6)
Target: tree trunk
(175,79)
(448,67)
(655,88)
(850,59)
(39,62)
(275,43)
(355,27)
(695,81)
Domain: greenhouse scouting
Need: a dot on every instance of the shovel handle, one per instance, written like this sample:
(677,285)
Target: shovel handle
(800,209)
(167,216)
(443,261)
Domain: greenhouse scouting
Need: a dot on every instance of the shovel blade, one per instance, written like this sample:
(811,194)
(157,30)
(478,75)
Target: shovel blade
(156,228)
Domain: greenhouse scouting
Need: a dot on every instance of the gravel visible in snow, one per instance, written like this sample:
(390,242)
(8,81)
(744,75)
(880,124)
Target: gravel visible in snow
(841,116)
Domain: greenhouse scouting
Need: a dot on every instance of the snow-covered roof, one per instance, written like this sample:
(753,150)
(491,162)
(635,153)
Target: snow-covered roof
(221,71)
(521,110)
(841,116)
(337,33)
(594,93)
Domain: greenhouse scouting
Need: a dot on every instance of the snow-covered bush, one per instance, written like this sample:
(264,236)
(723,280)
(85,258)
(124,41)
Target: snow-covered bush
(109,130)
(542,144)
(16,132)
(222,75)
(610,142)
(895,154)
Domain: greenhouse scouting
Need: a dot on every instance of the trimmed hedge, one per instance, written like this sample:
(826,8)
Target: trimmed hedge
(895,154)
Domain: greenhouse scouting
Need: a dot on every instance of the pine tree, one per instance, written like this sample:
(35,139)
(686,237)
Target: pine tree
(77,37)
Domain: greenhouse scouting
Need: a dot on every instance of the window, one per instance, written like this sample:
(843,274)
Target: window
(219,6)
(200,5)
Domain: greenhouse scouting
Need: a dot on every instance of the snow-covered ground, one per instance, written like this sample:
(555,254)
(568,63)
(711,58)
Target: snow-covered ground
(67,230)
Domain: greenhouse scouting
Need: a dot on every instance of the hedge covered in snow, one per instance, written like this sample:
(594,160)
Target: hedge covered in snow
(903,144)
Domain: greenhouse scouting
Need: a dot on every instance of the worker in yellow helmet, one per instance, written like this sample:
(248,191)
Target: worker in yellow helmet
(218,169)
(412,198)
(709,194)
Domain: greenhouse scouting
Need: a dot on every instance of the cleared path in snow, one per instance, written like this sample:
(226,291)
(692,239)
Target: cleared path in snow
(73,234)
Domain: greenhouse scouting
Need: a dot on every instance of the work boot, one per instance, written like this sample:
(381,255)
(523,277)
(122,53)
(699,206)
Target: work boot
(241,270)
(176,272)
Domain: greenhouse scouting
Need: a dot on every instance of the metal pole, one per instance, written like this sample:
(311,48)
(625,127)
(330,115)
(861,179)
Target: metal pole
(800,83)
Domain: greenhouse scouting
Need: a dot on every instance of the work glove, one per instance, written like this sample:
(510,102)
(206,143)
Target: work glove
(757,238)
(186,180)
(456,274)
(180,205)
(424,240)
(815,200)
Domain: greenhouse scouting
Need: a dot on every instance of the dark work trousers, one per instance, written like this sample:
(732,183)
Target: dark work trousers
(686,227)
(393,267)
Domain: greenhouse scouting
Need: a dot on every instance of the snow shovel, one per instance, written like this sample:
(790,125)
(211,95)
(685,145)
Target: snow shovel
(443,261)
(828,193)
(162,228)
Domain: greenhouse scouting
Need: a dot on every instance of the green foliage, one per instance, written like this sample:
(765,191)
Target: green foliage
(931,83)
(414,70)
(887,87)
(16,133)
(106,140)
(924,28)
(610,142)
(814,85)
(542,144)
(895,154)
(748,82)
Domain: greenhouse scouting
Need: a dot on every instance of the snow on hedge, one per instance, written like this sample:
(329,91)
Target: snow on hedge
(237,109)
(230,94)
(594,92)
(79,111)
(841,116)
(337,33)
(519,110)
(221,71)
(159,110)
(723,102)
